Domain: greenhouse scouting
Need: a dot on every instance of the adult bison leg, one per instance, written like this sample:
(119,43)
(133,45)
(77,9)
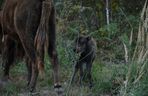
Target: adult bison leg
(26,32)
(89,76)
(27,43)
(29,68)
(40,61)
(52,48)
(30,52)
(7,56)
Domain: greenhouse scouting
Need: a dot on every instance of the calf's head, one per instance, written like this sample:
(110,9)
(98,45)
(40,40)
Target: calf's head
(80,44)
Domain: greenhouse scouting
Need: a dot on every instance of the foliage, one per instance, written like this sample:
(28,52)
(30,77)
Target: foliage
(136,79)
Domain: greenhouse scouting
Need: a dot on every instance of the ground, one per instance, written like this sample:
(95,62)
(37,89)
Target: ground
(107,79)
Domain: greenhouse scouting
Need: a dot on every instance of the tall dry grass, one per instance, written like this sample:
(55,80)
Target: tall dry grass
(137,71)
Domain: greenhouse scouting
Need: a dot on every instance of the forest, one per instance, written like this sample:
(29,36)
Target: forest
(120,68)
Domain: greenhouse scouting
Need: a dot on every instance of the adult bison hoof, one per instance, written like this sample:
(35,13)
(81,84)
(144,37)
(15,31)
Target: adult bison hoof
(58,89)
(31,89)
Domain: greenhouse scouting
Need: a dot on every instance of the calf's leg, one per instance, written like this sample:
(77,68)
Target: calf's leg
(52,48)
(88,68)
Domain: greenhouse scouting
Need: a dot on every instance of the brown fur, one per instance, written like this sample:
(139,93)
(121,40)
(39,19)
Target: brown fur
(19,50)
(28,23)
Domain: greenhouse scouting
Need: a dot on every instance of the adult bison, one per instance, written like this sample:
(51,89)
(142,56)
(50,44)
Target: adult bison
(29,23)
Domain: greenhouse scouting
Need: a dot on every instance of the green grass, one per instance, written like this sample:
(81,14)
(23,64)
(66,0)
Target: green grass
(103,76)
(108,78)
(135,86)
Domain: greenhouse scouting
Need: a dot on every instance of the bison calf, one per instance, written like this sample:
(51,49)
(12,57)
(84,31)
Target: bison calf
(86,47)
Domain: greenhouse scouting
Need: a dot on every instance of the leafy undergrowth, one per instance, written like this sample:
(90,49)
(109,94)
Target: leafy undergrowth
(106,81)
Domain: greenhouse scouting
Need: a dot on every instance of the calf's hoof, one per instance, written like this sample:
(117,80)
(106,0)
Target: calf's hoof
(58,89)
(91,86)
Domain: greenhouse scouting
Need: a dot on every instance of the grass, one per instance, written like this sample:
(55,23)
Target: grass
(136,83)
(107,79)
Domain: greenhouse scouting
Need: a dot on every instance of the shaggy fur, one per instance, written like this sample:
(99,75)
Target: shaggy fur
(86,47)
(27,23)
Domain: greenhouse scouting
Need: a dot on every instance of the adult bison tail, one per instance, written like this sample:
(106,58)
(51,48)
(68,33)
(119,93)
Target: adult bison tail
(40,37)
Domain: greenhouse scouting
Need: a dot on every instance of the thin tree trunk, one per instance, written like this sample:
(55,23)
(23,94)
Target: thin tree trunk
(107,12)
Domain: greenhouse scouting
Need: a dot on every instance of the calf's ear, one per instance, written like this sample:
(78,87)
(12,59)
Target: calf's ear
(74,49)
(88,38)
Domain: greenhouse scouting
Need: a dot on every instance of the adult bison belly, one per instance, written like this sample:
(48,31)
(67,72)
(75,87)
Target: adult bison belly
(24,14)
(8,15)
